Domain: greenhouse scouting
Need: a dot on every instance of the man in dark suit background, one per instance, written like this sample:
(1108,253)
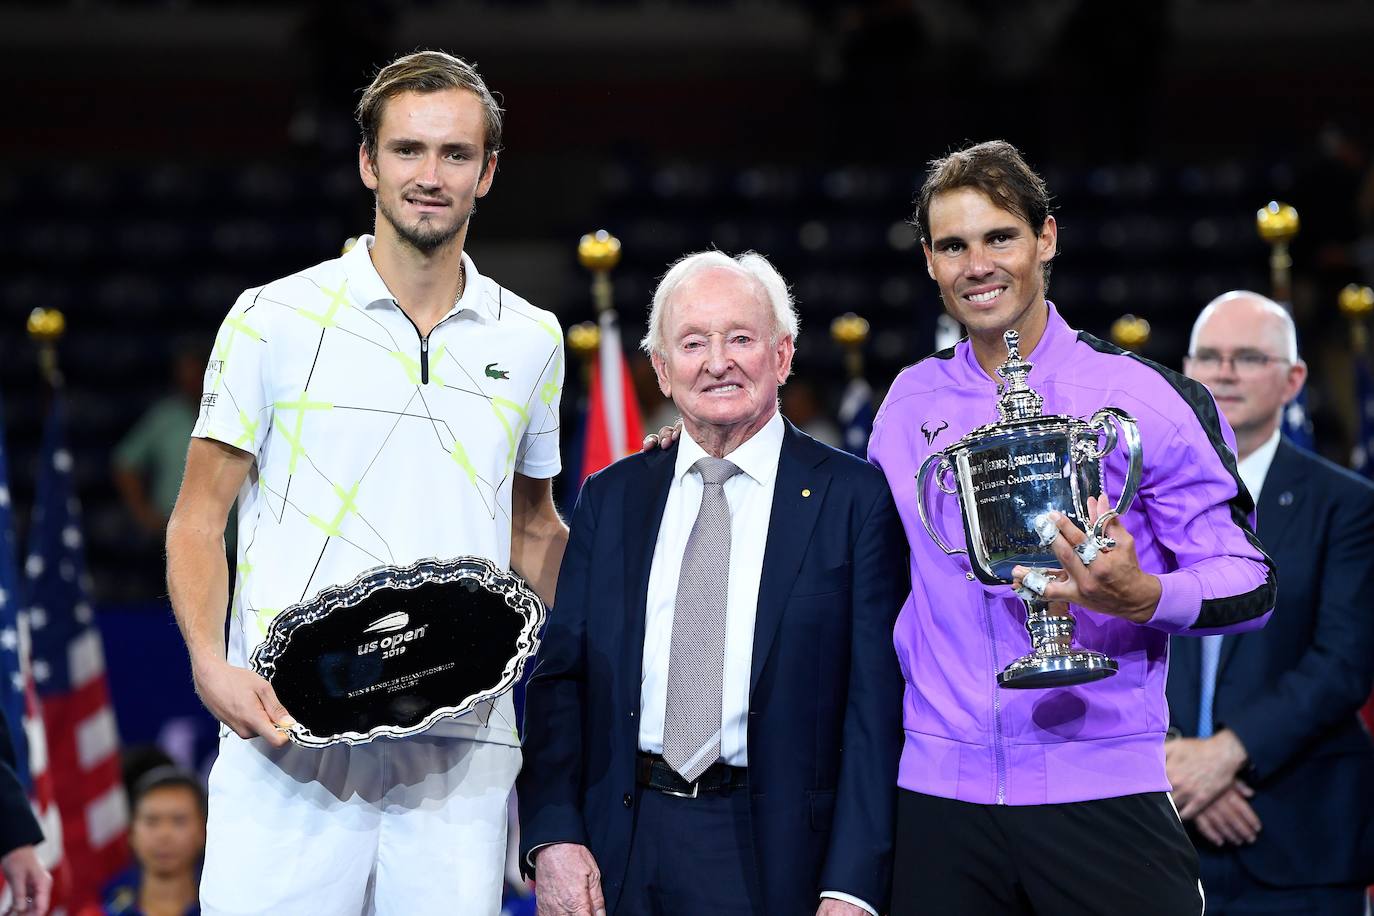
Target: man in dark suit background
(713,725)
(1273,769)
(25,876)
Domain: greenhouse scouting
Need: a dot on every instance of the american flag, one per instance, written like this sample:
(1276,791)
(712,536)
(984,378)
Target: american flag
(1297,423)
(11,668)
(19,699)
(856,417)
(68,669)
(1363,458)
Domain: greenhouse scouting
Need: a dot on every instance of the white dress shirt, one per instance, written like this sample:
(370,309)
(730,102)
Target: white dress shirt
(750,496)
(1255,468)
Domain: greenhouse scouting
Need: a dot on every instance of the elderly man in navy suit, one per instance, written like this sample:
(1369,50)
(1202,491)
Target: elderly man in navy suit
(1271,767)
(713,725)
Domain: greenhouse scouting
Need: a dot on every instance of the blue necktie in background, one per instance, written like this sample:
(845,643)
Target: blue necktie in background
(1211,653)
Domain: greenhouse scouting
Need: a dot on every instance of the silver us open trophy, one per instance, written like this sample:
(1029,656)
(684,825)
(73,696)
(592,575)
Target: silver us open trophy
(1009,475)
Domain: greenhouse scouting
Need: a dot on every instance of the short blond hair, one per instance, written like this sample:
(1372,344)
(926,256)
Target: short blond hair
(427,71)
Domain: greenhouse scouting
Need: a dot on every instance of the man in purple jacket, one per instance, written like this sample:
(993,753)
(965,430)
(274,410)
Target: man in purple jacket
(1050,801)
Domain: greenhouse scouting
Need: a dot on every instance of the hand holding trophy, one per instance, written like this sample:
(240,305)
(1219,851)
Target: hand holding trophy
(1110,582)
(1032,495)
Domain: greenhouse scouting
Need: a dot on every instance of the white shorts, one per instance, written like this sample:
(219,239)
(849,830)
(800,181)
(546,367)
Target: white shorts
(414,826)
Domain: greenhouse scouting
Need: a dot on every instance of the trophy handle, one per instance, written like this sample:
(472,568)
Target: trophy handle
(941,462)
(1130,436)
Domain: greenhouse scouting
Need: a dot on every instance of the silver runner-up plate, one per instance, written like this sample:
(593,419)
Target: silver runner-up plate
(399,648)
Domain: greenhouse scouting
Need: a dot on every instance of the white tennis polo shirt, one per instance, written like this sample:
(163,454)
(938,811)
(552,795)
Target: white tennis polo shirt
(374,446)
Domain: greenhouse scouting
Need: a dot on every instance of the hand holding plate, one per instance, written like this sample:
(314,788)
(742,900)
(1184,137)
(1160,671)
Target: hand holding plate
(244,701)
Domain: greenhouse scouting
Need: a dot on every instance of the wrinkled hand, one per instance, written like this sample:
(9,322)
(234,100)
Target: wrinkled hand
(243,701)
(832,907)
(1200,769)
(1114,584)
(1230,819)
(664,438)
(567,881)
(28,881)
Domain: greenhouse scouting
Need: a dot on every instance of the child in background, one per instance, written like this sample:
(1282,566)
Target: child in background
(167,837)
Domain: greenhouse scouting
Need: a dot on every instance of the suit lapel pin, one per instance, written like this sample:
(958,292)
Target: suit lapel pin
(1286,498)
(806,492)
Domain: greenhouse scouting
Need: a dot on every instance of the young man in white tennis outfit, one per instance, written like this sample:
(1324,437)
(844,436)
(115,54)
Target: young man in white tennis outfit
(384,407)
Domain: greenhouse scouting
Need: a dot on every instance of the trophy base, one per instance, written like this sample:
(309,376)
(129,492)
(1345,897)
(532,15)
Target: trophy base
(1079,666)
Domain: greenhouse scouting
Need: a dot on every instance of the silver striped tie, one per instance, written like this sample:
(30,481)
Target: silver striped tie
(696,660)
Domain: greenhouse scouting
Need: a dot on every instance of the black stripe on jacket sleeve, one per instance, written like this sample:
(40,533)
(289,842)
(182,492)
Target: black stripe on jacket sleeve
(1233,609)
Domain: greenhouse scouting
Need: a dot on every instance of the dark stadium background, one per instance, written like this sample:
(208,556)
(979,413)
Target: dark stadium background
(161,156)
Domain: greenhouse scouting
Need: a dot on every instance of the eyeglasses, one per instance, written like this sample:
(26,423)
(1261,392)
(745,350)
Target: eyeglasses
(1243,362)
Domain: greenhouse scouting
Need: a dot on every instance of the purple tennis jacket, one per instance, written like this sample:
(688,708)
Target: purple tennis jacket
(967,738)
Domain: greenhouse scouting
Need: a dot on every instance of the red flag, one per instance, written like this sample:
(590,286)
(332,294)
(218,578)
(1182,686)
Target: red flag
(614,428)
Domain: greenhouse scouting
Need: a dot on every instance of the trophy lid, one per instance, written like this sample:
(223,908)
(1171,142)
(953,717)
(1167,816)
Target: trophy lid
(1015,398)
(1020,408)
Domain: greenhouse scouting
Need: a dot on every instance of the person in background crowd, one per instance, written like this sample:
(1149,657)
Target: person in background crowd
(28,881)
(136,760)
(713,722)
(377,409)
(146,468)
(1271,768)
(167,838)
(149,460)
(1050,801)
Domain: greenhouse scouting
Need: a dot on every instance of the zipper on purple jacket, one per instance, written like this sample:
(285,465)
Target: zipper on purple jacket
(998,754)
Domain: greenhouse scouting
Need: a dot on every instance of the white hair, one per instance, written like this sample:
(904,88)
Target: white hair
(1290,333)
(751,264)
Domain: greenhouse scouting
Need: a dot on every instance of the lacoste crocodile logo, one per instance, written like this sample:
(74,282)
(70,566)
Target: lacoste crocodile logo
(493,372)
(932,433)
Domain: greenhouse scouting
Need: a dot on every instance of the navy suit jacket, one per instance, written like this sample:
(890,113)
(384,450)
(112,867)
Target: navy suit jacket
(17,824)
(825,724)
(1292,691)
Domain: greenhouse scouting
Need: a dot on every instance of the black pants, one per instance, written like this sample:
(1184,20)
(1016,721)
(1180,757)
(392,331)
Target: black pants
(1117,856)
(691,857)
(1232,891)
